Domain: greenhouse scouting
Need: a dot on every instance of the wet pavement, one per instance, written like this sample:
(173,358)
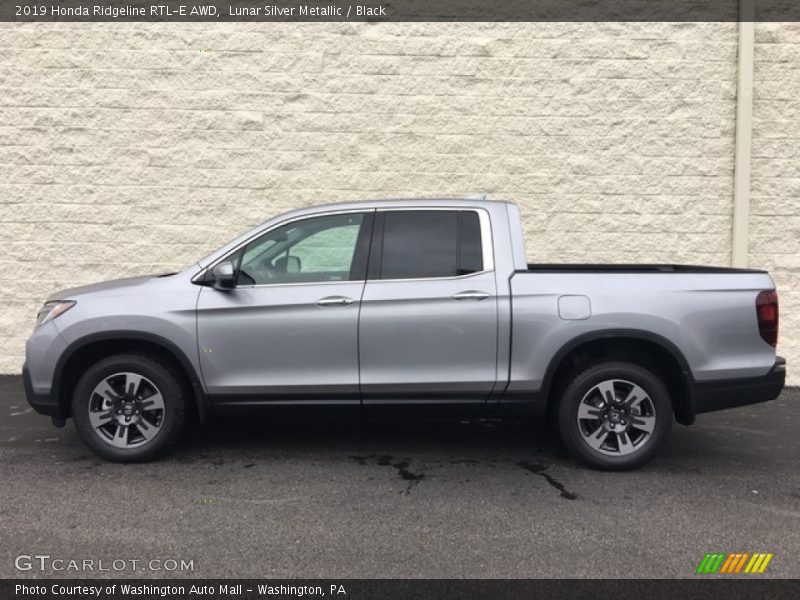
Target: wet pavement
(412,498)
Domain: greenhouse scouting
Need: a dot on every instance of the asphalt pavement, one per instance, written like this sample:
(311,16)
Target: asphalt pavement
(290,498)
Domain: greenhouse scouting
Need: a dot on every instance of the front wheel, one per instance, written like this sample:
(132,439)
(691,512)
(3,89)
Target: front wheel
(615,416)
(128,408)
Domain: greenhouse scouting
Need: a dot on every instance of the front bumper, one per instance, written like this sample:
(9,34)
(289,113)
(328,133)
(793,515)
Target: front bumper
(45,404)
(730,393)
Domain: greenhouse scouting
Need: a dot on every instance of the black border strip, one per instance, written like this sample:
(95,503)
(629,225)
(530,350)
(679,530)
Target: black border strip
(743,587)
(399,10)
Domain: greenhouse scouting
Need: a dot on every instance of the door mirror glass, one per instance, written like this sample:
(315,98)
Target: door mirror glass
(224,276)
(293,264)
(288,264)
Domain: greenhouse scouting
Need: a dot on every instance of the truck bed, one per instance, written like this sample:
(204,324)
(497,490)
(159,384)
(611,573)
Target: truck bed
(707,312)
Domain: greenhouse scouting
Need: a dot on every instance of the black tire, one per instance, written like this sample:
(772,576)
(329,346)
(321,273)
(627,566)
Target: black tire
(167,422)
(576,435)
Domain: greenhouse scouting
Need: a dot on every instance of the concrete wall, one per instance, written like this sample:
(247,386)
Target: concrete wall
(137,148)
(775,190)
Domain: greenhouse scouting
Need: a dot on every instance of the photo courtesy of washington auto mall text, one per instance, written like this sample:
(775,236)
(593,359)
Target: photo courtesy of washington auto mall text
(176,590)
(399,299)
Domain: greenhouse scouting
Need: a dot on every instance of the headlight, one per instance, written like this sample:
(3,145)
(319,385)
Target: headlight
(53,309)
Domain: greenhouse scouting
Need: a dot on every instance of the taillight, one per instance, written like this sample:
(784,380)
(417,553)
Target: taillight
(767,311)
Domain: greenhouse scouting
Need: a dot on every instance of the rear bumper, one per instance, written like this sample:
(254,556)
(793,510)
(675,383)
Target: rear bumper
(730,393)
(46,404)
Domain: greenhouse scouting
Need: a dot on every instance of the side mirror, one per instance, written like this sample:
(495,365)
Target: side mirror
(224,276)
(293,265)
(287,264)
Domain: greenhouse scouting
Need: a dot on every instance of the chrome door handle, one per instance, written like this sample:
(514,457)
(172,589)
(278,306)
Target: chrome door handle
(335,301)
(470,295)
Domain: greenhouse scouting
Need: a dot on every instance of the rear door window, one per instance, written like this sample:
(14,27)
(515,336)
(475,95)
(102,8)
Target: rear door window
(430,243)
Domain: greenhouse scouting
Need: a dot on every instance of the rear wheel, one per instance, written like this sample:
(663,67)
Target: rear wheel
(615,416)
(128,408)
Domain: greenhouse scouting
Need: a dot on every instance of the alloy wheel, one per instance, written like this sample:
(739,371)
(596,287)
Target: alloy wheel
(126,410)
(616,417)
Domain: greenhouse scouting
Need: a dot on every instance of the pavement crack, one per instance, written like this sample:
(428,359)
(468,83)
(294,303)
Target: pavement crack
(538,469)
(386,460)
(402,471)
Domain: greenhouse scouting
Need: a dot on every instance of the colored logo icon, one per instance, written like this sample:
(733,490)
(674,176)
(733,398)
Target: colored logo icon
(738,562)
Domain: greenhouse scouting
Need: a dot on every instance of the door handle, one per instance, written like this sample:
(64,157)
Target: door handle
(470,295)
(335,301)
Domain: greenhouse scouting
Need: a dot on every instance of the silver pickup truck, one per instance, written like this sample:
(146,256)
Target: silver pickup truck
(414,305)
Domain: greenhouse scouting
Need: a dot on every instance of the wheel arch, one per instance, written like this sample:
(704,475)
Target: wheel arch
(645,348)
(87,350)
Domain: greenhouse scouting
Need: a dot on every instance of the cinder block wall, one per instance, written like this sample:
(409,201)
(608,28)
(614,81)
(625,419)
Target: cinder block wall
(131,148)
(775,209)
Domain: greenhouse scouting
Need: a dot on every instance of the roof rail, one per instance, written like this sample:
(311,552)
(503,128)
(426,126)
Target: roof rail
(475,196)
